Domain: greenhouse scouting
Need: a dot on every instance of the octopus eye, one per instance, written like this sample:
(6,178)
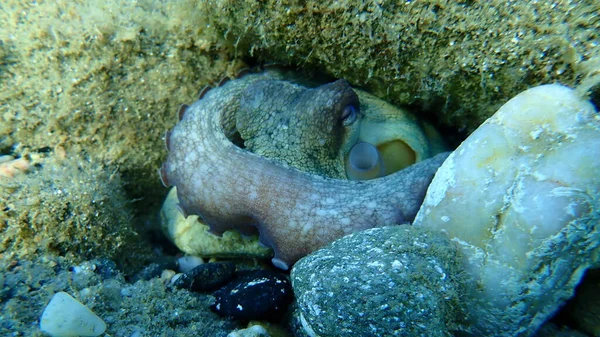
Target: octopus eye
(349,115)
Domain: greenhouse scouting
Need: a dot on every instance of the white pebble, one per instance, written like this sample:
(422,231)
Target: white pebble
(187,263)
(253,331)
(64,316)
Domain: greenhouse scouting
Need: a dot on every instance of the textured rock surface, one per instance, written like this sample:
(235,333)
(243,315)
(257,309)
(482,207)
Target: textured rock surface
(254,295)
(73,72)
(77,69)
(461,59)
(67,206)
(521,197)
(144,308)
(389,281)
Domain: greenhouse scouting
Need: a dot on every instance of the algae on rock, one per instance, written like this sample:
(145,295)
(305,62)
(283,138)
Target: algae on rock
(69,207)
(459,59)
(72,72)
(387,281)
(103,77)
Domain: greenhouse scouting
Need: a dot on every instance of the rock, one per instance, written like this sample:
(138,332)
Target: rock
(387,281)
(206,277)
(106,268)
(460,64)
(253,331)
(65,316)
(154,269)
(189,262)
(192,236)
(257,294)
(520,197)
(69,206)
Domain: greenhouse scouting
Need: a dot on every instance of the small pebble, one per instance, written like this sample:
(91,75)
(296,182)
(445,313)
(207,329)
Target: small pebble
(9,167)
(154,270)
(257,294)
(205,277)
(106,268)
(253,331)
(187,263)
(65,316)
(167,276)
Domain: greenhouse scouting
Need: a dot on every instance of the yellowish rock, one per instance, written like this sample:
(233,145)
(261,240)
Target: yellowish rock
(192,236)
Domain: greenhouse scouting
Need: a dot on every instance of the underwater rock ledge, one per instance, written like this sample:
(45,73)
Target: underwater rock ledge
(459,59)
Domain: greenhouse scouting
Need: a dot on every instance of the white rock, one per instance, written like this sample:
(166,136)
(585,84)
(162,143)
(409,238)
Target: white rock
(521,198)
(65,316)
(253,331)
(189,262)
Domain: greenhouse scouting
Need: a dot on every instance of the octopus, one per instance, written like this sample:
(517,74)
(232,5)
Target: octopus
(229,157)
(283,121)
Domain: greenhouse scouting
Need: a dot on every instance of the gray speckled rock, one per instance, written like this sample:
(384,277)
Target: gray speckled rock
(388,281)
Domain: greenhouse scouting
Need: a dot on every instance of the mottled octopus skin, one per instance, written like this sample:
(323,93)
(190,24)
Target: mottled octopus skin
(295,212)
(286,122)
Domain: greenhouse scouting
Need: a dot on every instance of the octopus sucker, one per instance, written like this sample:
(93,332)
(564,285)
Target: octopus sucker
(163,176)
(181,111)
(168,140)
(295,211)
(243,72)
(204,91)
(223,81)
(185,214)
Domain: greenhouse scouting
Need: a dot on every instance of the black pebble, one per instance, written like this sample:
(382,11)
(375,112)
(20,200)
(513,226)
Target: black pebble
(257,294)
(206,277)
